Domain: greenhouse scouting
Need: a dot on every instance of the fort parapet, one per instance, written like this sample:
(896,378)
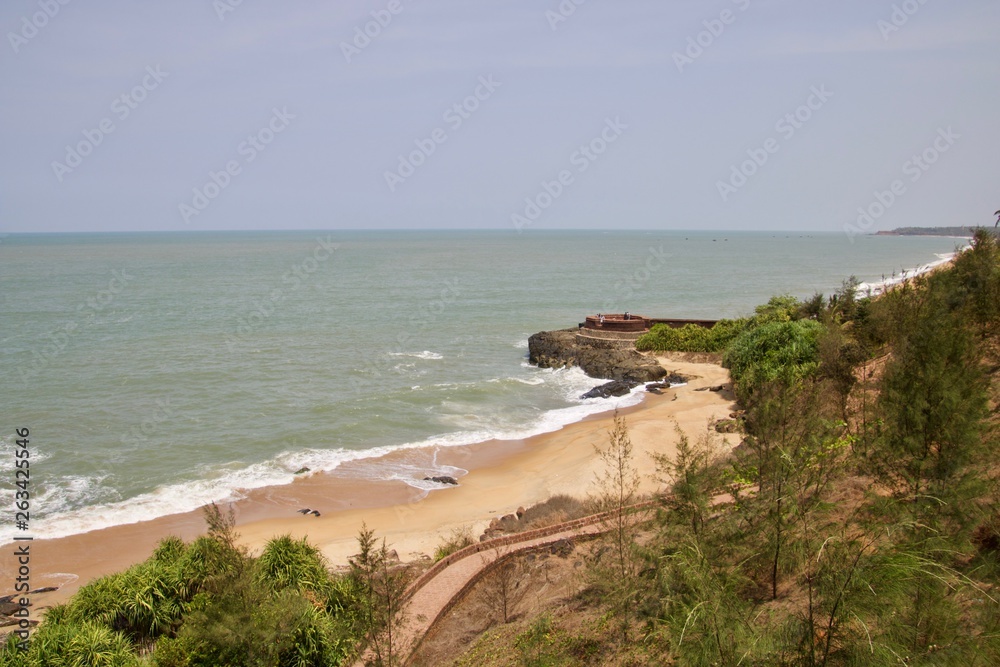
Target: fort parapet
(614,331)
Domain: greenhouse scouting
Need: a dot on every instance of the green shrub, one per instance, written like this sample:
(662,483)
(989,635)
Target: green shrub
(290,563)
(776,349)
(250,627)
(170,550)
(11,655)
(144,601)
(86,644)
(694,338)
(691,337)
(459,539)
(781,308)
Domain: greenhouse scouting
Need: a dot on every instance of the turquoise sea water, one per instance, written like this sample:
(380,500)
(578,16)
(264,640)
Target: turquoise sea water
(158,372)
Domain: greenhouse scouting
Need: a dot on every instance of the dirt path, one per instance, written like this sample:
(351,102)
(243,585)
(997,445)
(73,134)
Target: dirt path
(441,587)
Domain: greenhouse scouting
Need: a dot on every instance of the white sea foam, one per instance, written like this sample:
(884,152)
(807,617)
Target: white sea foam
(879,286)
(219,485)
(426,354)
(80,504)
(8,447)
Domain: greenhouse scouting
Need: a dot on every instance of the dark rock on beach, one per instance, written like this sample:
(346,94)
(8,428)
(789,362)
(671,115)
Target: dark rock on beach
(8,608)
(558,349)
(667,382)
(443,479)
(727,426)
(613,388)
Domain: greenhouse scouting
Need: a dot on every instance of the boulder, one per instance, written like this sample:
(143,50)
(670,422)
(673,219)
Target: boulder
(727,426)
(559,349)
(8,608)
(562,548)
(301,471)
(442,479)
(613,388)
(667,382)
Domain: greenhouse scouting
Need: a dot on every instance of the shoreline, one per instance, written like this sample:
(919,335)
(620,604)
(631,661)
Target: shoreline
(878,288)
(502,475)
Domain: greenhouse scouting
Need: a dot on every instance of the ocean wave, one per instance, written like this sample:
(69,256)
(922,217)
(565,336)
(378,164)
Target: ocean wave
(9,447)
(224,484)
(426,354)
(81,504)
(530,381)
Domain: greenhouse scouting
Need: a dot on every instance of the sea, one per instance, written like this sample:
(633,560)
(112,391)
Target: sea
(157,372)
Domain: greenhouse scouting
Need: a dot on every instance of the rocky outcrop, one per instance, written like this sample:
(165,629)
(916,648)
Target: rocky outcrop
(613,388)
(557,349)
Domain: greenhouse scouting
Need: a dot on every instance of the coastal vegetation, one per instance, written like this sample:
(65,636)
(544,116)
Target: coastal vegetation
(857,523)
(718,338)
(211,604)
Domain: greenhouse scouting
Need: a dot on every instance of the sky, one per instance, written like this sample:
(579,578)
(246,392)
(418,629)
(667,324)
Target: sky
(849,116)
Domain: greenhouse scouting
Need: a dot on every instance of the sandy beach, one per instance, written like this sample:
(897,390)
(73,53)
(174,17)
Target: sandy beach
(502,475)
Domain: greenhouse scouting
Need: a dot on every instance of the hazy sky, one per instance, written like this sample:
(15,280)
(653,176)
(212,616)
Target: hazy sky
(530,114)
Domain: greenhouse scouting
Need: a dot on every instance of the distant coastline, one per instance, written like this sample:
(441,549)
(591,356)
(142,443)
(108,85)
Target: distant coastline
(963,232)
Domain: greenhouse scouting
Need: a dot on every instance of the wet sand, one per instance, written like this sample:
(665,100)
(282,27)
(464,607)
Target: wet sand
(502,475)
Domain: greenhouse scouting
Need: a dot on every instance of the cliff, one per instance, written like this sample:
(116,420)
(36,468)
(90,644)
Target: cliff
(558,349)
